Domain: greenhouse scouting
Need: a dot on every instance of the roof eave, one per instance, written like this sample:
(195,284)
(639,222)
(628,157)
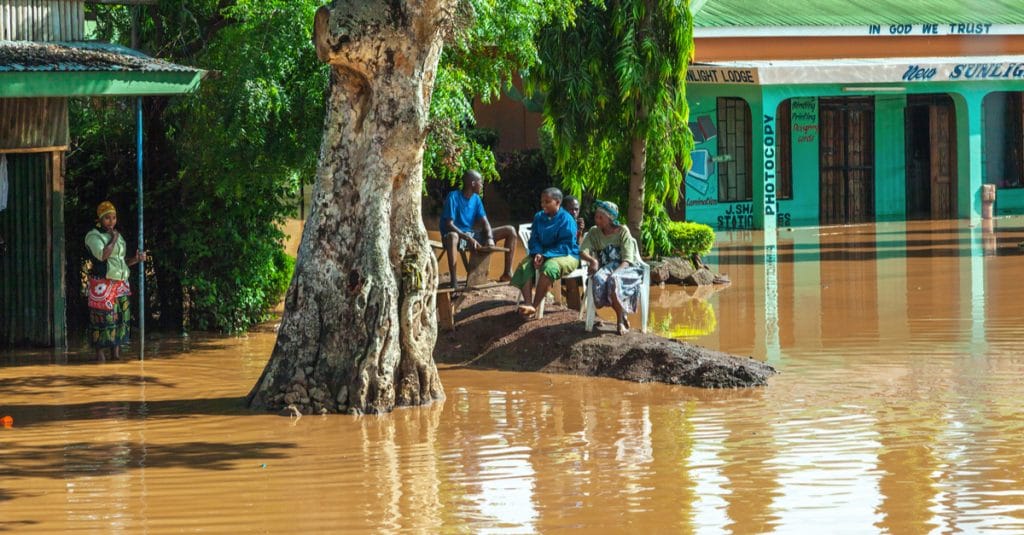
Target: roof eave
(866,30)
(97,83)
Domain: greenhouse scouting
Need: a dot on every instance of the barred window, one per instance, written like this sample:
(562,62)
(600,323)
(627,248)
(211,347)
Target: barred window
(734,179)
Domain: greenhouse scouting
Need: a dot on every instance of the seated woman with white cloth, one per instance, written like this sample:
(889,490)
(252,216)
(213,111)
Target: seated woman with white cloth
(614,259)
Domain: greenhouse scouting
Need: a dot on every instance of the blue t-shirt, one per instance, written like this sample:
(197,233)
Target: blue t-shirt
(462,211)
(554,236)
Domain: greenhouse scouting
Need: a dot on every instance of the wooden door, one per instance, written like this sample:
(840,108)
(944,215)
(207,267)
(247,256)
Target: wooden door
(942,137)
(847,160)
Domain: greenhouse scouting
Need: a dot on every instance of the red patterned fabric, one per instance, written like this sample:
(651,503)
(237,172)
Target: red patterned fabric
(103,293)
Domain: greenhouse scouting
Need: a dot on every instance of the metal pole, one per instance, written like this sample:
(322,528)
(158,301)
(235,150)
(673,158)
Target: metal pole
(142,265)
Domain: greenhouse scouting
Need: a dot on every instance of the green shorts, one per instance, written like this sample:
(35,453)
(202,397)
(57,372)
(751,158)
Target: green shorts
(554,268)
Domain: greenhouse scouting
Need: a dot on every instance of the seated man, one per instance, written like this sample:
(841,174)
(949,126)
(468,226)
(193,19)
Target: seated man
(572,205)
(554,251)
(462,209)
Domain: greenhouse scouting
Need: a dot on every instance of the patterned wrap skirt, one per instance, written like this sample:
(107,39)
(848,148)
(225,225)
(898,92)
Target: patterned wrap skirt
(625,283)
(109,322)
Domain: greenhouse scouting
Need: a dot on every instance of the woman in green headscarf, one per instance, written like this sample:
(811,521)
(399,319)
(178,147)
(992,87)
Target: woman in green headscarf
(614,259)
(109,313)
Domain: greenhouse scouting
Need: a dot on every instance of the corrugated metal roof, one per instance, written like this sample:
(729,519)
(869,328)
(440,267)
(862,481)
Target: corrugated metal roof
(726,13)
(79,56)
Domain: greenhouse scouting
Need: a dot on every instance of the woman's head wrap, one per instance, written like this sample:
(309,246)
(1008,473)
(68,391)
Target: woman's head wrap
(609,209)
(105,207)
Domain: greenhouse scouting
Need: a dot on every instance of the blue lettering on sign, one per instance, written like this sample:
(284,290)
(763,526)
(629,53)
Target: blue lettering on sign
(740,216)
(917,72)
(987,71)
(953,28)
(969,28)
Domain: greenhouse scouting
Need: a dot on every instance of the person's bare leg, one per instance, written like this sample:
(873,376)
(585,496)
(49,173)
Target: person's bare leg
(115,352)
(451,244)
(622,323)
(507,236)
(527,291)
(99,354)
(543,285)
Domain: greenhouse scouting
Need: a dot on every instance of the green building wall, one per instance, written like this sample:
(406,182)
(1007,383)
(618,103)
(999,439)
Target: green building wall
(890,158)
(701,189)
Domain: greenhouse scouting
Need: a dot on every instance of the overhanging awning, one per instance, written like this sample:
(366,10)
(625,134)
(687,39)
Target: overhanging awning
(860,71)
(73,69)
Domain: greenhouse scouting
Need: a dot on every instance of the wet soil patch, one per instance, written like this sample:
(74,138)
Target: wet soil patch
(490,334)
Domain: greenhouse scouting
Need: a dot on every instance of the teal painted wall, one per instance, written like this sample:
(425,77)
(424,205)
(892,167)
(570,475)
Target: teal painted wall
(802,209)
(890,158)
(701,189)
(1009,200)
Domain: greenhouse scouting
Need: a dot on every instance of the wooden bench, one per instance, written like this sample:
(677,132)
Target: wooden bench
(447,302)
(477,264)
(477,278)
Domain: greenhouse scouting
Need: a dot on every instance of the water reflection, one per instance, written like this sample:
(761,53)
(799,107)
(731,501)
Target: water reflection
(897,410)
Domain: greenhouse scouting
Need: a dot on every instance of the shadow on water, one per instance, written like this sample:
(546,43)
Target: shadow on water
(80,354)
(85,459)
(16,525)
(39,414)
(13,386)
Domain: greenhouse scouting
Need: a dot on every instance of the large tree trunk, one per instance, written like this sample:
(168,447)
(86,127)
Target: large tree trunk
(359,324)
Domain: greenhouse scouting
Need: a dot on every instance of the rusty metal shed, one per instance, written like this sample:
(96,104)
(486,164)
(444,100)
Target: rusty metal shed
(43,62)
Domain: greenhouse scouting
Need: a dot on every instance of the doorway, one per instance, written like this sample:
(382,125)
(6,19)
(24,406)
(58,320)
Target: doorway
(847,155)
(931,157)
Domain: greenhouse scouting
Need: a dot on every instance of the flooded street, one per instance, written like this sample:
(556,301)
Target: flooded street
(896,410)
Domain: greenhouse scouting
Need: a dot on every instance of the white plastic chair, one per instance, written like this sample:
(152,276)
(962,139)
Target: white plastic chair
(645,300)
(524,231)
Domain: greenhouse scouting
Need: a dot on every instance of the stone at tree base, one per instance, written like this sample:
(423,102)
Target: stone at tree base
(678,270)
(701,277)
(659,272)
(489,334)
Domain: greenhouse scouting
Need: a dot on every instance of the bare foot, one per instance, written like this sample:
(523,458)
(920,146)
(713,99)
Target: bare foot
(526,311)
(623,329)
(505,278)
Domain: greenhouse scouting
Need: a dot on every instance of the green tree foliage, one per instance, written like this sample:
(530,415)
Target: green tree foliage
(495,40)
(223,166)
(615,104)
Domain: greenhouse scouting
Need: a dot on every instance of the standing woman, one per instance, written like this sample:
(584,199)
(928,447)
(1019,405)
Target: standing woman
(613,257)
(109,312)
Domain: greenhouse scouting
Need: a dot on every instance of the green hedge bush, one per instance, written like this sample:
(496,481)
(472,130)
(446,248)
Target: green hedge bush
(690,238)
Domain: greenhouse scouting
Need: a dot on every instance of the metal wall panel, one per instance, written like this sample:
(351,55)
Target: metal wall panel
(26,315)
(28,123)
(42,20)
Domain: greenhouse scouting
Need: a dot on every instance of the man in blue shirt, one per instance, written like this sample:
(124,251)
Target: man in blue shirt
(462,209)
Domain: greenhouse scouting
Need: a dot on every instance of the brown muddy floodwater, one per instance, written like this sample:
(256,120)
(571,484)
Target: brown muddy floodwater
(897,410)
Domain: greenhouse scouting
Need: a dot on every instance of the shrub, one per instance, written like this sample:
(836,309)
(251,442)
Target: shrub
(690,238)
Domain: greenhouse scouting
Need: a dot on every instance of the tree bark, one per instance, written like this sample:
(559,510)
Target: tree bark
(359,325)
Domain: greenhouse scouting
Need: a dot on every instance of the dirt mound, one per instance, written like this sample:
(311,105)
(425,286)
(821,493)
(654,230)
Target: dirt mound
(490,334)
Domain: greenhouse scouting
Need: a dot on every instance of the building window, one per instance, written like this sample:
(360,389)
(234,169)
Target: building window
(733,150)
(1004,132)
(784,152)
